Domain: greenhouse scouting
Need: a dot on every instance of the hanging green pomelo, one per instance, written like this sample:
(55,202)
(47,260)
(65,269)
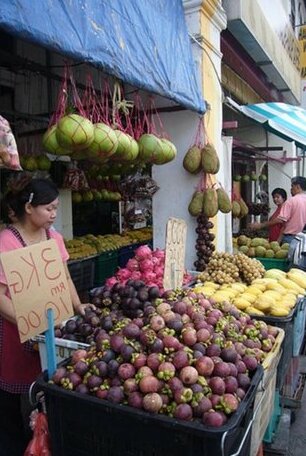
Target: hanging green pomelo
(74,132)
(127,149)
(150,147)
(134,151)
(105,141)
(168,154)
(51,144)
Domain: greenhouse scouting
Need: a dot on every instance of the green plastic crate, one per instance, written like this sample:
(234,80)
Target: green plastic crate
(106,266)
(274,263)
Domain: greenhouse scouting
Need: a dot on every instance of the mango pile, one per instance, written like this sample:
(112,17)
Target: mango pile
(78,249)
(274,294)
(260,247)
(84,246)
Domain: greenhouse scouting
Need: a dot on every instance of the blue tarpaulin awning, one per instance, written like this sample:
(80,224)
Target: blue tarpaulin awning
(142,42)
(284,120)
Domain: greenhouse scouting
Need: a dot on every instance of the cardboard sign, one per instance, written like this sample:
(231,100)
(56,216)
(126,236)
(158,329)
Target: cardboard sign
(37,282)
(175,253)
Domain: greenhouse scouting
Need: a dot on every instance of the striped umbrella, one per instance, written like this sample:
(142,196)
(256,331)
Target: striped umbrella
(284,120)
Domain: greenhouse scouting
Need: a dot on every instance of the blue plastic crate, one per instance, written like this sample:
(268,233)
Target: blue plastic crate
(124,254)
(287,324)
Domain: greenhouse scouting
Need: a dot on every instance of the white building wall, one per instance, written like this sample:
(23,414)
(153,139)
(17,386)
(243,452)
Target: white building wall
(176,184)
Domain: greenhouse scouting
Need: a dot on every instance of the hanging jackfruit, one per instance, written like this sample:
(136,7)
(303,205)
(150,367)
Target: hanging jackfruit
(210,159)
(196,204)
(192,160)
(236,209)
(244,210)
(224,203)
(210,202)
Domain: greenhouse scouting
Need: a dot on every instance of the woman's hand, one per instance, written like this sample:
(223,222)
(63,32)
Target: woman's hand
(255,226)
(81,308)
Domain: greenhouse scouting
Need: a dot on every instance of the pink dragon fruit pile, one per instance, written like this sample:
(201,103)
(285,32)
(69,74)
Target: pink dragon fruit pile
(147,265)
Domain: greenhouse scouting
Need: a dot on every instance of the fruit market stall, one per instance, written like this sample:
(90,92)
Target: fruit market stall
(161,370)
(140,342)
(93,259)
(277,298)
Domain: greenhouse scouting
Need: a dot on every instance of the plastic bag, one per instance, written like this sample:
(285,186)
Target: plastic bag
(75,179)
(9,157)
(40,443)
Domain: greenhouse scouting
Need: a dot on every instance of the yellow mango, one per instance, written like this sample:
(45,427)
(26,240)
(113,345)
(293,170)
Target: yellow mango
(238,286)
(259,286)
(279,311)
(221,297)
(289,284)
(275,274)
(248,297)
(276,287)
(297,278)
(262,305)
(254,290)
(254,311)
(204,290)
(272,294)
(287,304)
(241,303)
(211,284)
(298,271)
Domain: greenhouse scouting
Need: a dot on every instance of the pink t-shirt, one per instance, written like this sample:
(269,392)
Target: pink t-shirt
(8,241)
(19,363)
(293,212)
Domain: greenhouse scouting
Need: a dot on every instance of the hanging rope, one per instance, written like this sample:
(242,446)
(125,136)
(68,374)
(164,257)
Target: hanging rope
(120,104)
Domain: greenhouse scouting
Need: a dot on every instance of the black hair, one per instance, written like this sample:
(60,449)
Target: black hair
(299,180)
(281,192)
(24,189)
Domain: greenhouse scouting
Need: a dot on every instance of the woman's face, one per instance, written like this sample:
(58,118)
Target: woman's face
(278,199)
(44,215)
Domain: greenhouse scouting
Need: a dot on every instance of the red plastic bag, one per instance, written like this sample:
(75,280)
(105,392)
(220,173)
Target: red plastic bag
(40,443)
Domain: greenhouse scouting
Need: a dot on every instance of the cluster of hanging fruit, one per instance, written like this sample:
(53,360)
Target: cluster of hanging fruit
(204,244)
(207,201)
(239,208)
(78,137)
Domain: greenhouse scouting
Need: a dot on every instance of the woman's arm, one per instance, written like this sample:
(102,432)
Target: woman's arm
(267,224)
(280,237)
(6,306)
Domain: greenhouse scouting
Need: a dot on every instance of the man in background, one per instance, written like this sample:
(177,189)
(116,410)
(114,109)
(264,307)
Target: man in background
(293,211)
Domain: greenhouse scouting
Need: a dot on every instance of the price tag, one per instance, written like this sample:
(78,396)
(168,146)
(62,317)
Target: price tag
(175,253)
(37,282)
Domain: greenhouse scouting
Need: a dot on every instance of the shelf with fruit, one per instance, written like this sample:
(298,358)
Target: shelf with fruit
(252,177)
(78,249)
(260,247)
(275,294)
(83,246)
